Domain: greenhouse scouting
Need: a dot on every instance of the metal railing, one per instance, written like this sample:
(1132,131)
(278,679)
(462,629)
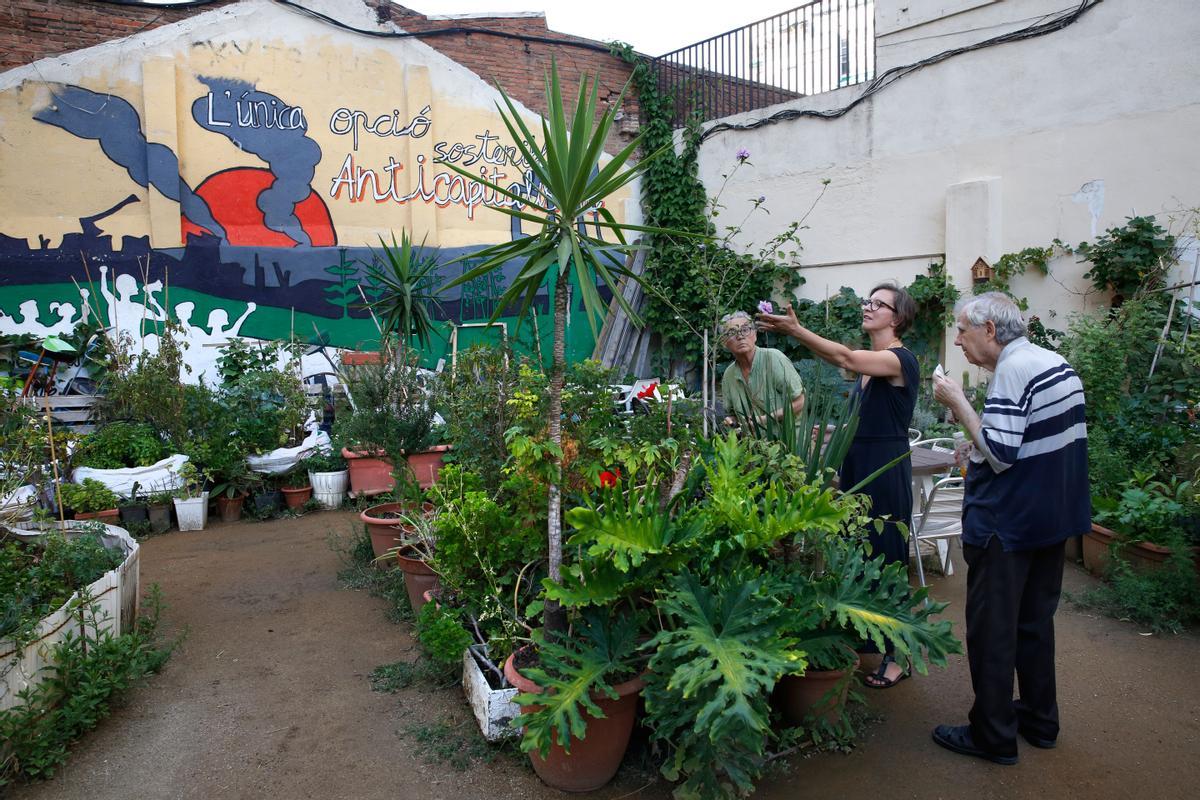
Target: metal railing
(817,47)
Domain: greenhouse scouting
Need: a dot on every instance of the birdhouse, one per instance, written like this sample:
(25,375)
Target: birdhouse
(981,271)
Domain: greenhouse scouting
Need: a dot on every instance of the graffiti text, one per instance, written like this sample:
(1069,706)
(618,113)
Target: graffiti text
(345,121)
(259,114)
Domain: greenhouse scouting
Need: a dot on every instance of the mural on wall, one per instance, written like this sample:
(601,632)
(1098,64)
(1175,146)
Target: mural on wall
(279,203)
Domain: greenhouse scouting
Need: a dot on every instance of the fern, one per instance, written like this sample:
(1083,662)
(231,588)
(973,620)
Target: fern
(572,673)
(709,680)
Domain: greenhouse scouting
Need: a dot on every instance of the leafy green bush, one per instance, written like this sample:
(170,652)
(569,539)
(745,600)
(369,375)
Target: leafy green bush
(87,671)
(476,396)
(1166,600)
(36,577)
(1130,259)
(441,633)
(118,445)
(88,497)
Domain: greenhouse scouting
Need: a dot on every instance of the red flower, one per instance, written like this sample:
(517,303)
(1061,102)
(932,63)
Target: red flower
(609,478)
(648,392)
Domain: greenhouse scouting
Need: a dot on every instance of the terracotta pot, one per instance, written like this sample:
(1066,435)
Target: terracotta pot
(1096,544)
(387,532)
(426,464)
(370,473)
(295,498)
(1073,549)
(817,694)
(594,759)
(230,508)
(419,579)
(109,516)
(352,358)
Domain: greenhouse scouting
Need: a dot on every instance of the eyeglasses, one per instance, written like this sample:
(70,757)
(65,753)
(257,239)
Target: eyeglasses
(874,304)
(740,332)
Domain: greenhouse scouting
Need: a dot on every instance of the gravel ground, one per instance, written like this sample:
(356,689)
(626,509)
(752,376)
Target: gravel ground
(269,697)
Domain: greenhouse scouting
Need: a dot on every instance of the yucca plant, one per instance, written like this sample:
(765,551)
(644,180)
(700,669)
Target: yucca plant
(565,163)
(405,275)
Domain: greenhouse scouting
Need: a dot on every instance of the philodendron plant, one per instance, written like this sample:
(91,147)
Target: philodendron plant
(710,585)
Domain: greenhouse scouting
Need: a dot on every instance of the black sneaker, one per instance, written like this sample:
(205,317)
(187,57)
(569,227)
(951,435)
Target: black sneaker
(958,739)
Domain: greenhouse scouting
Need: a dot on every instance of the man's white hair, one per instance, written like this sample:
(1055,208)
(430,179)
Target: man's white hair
(997,307)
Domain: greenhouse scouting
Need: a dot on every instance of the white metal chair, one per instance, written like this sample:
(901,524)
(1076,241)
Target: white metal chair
(914,436)
(940,519)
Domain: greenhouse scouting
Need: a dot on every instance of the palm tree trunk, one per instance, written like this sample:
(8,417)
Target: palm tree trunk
(555,622)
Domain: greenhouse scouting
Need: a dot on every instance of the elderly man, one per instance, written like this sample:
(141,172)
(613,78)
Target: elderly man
(1026,493)
(760,381)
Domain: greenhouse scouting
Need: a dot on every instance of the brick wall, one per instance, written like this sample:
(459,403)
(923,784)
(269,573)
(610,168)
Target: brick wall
(35,29)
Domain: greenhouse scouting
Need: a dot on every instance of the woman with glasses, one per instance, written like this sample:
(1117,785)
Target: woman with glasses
(887,393)
(760,380)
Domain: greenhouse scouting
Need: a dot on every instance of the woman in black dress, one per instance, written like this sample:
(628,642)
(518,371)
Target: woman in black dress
(887,393)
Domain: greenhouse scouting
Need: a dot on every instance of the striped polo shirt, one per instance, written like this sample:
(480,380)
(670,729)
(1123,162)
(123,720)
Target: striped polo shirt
(1033,422)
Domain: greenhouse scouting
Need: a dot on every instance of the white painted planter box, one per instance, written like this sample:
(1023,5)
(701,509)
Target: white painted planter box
(494,708)
(115,593)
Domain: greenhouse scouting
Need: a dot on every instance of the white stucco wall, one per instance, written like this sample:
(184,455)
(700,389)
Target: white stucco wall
(986,153)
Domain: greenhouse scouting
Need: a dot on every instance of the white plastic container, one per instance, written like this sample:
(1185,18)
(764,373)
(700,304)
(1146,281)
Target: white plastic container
(329,488)
(192,513)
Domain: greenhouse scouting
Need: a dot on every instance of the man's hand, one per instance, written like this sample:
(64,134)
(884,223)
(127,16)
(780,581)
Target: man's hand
(962,452)
(785,323)
(949,394)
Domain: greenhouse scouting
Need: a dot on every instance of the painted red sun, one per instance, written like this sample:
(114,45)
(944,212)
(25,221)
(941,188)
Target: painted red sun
(232,196)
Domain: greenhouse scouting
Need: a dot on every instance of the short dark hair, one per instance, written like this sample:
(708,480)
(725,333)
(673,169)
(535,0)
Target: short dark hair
(906,307)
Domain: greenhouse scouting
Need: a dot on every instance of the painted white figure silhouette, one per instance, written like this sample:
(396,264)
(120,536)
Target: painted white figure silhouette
(27,313)
(124,313)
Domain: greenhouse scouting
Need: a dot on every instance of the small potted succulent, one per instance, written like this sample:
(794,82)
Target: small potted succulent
(296,489)
(91,499)
(329,478)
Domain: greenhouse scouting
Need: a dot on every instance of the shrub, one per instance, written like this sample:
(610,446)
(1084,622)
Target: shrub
(88,497)
(121,444)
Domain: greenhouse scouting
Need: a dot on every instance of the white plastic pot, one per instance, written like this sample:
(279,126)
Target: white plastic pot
(192,513)
(329,488)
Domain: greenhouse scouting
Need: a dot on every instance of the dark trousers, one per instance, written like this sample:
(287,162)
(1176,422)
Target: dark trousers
(1011,600)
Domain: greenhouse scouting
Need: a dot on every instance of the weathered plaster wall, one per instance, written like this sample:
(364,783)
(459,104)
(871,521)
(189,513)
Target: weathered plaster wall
(232,170)
(986,153)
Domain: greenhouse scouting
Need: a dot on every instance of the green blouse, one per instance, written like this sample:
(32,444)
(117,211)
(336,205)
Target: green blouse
(773,384)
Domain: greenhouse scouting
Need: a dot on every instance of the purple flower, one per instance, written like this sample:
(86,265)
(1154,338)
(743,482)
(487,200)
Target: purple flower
(762,198)
(743,155)
(766,307)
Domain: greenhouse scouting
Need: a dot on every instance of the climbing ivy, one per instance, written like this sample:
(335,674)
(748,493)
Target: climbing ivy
(679,273)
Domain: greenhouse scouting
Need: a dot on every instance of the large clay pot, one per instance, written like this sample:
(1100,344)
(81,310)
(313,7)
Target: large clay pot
(594,759)
(817,694)
(230,508)
(160,517)
(386,531)
(370,473)
(426,464)
(296,498)
(420,581)
(1096,544)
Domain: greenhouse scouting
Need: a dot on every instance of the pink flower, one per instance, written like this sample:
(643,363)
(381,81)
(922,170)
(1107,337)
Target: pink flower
(766,307)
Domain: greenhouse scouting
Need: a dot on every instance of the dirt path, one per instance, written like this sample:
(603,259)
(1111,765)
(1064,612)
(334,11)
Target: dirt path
(269,698)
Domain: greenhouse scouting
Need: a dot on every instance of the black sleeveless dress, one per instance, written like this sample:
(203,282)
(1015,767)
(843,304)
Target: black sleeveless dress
(884,415)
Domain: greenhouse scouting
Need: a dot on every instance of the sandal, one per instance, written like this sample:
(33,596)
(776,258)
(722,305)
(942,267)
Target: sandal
(879,680)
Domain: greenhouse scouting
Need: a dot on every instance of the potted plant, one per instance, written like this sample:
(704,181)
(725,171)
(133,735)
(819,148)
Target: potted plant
(133,510)
(191,499)
(90,499)
(392,415)
(158,510)
(329,477)
(268,499)
(296,489)
(1147,524)
(405,532)
(232,483)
